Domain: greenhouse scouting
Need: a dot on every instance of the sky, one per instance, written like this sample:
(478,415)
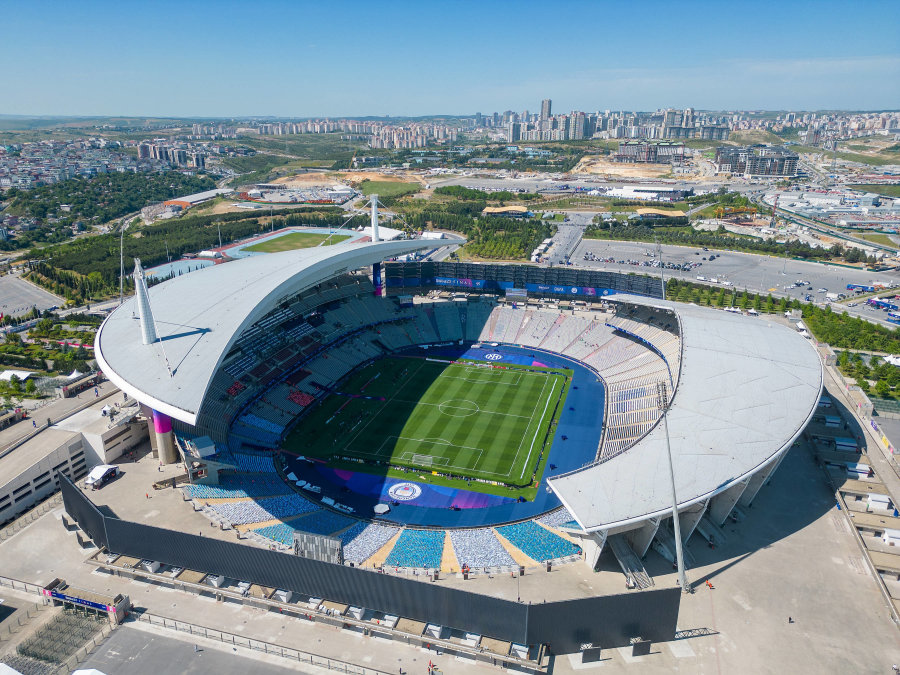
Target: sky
(335,58)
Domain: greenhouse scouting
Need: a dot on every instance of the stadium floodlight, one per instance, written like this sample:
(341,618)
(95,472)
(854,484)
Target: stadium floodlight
(662,402)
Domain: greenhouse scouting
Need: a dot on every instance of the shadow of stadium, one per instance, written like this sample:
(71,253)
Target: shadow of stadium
(796,496)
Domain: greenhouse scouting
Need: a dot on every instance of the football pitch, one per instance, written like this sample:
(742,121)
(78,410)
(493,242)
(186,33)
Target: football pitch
(445,420)
(295,240)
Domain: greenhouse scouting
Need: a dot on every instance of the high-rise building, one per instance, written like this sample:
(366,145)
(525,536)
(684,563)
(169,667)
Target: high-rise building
(513,132)
(546,106)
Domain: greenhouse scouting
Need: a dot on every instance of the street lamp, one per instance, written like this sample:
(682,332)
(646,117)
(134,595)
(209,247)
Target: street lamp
(662,402)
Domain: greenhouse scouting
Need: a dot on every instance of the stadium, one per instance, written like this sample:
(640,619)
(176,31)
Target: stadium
(449,419)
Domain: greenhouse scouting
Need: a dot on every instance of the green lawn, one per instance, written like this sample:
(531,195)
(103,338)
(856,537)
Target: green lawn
(447,421)
(881,239)
(295,240)
(887,190)
(387,188)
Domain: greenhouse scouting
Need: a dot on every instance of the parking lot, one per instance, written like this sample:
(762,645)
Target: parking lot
(17,296)
(755,273)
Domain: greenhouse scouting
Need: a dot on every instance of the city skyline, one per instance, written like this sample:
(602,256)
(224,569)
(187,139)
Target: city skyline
(352,60)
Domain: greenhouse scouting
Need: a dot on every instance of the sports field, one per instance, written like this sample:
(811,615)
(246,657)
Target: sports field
(464,420)
(295,240)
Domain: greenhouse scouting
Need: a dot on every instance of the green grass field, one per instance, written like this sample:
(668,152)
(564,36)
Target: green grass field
(447,421)
(888,190)
(387,188)
(295,240)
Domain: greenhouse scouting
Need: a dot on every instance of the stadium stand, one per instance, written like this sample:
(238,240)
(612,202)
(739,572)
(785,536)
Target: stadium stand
(417,548)
(297,353)
(236,486)
(536,542)
(558,518)
(479,548)
(363,540)
(281,533)
(262,510)
(323,522)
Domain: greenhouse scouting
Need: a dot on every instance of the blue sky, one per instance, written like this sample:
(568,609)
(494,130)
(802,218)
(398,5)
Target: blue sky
(334,58)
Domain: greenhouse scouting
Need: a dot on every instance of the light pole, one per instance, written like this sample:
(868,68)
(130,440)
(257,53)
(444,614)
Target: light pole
(662,402)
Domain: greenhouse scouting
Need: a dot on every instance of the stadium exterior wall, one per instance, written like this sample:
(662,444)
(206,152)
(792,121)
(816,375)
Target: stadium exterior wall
(565,626)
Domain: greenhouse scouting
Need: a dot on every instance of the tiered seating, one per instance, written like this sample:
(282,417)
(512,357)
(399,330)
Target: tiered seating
(479,548)
(282,533)
(254,463)
(259,511)
(446,316)
(535,327)
(564,332)
(592,339)
(477,314)
(422,329)
(631,411)
(512,328)
(500,319)
(260,423)
(417,548)
(538,543)
(363,540)
(238,486)
(323,522)
(557,518)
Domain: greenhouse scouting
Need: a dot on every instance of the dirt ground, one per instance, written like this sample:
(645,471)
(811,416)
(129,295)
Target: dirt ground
(603,167)
(349,177)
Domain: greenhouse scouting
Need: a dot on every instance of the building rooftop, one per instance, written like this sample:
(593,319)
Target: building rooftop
(746,390)
(200,315)
(33,451)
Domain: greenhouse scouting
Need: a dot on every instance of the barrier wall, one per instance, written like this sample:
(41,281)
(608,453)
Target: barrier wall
(563,282)
(607,621)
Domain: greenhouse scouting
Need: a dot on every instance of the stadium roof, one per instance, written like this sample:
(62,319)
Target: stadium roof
(747,389)
(200,315)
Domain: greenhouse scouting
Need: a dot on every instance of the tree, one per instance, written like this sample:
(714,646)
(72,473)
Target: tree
(883,389)
(30,387)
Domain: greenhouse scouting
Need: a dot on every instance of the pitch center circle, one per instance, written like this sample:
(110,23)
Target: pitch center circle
(459,407)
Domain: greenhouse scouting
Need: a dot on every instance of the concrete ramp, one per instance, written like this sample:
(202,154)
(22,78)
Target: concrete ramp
(629,562)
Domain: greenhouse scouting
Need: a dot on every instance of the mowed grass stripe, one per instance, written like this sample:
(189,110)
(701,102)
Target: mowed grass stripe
(495,431)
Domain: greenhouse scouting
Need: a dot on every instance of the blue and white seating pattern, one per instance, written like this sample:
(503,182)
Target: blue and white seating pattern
(556,518)
(239,486)
(538,543)
(417,548)
(479,548)
(261,510)
(363,540)
(323,522)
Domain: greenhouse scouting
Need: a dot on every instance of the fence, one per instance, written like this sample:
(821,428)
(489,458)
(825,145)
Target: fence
(29,517)
(82,654)
(255,645)
(12,628)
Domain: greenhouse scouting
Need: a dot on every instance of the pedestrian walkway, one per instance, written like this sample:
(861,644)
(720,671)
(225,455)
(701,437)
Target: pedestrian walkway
(885,468)
(55,410)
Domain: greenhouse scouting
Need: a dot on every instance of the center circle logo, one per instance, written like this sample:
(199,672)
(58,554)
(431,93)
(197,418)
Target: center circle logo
(493,356)
(404,492)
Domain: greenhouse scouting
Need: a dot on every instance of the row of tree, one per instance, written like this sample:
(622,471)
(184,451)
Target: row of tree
(88,268)
(491,238)
(470,194)
(885,375)
(721,239)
